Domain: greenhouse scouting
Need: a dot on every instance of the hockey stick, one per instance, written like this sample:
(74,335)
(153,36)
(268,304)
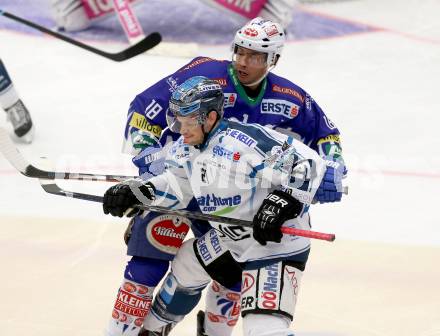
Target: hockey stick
(51,187)
(17,160)
(145,44)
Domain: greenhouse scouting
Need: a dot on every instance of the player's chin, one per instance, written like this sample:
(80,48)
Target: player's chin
(247,81)
(242,75)
(188,140)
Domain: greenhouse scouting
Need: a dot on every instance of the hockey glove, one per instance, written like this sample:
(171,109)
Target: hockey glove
(276,208)
(119,199)
(330,189)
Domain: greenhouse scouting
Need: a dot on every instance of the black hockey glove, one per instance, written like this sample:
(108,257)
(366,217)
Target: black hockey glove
(277,207)
(121,197)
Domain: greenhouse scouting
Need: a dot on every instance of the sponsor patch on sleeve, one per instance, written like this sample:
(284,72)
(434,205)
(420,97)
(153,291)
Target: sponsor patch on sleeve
(140,122)
(288,91)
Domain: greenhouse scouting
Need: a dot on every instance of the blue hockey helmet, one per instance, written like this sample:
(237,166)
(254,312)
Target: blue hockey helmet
(195,97)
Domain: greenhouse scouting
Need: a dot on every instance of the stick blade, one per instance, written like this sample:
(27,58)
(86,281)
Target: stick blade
(51,187)
(145,44)
(11,153)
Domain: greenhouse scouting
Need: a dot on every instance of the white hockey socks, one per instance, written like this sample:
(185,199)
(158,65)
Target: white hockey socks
(222,310)
(131,307)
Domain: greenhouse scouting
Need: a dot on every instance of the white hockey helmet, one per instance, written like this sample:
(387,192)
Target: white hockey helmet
(263,36)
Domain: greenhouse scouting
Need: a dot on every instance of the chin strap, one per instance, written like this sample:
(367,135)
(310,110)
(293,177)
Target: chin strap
(206,133)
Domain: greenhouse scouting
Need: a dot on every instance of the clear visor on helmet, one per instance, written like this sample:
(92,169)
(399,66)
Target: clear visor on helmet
(183,117)
(249,57)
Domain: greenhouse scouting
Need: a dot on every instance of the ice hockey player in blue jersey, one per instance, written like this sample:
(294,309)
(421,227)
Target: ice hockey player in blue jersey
(252,94)
(250,172)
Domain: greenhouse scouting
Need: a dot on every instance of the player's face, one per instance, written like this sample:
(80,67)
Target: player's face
(250,65)
(191,130)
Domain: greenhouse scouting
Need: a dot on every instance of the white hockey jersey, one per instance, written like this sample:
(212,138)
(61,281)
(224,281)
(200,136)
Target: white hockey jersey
(232,173)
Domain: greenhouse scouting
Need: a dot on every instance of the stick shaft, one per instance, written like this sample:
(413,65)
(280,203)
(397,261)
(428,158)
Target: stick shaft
(51,187)
(147,43)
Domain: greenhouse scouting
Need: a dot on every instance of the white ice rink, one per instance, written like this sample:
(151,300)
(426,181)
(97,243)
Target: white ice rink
(62,259)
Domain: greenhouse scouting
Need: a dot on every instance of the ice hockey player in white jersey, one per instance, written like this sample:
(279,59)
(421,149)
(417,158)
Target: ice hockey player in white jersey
(16,111)
(243,171)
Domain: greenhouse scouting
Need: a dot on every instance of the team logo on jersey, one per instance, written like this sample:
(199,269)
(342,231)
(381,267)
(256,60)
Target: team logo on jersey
(250,32)
(242,137)
(280,107)
(166,232)
(288,91)
(282,158)
(140,122)
(230,99)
